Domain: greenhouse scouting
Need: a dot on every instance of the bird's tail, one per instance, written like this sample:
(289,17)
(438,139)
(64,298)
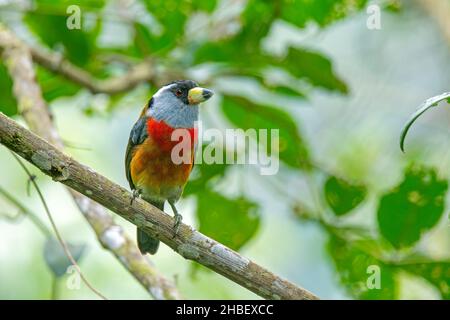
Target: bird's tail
(146,243)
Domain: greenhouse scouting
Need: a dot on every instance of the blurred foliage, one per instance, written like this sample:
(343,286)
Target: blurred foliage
(412,208)
(299,12)
(231,221)
(437,273)
(404,215)
(247,115)
(54,86)
(173,15)
(188,34)
(354,265)
(56,258)
(79,45)
(205,175)
(342,196)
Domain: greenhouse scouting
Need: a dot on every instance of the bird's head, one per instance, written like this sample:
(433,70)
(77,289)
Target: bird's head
(177,103)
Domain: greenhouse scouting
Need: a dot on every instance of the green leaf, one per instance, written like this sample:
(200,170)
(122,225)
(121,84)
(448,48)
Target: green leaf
(247,115)
(354,268)
(8,103)
(231,221)
(437,273)
(313,67)
(412,208)
(56,259)
(342,196)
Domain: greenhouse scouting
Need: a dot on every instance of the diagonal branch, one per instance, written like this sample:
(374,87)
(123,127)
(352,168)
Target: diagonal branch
(189,243)
(36,113)
(139,73)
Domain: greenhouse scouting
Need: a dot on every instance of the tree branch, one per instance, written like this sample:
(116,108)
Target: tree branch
(189,243)
(139,73)
(36,113)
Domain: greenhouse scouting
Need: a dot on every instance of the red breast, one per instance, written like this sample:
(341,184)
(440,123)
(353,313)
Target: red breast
(161,133)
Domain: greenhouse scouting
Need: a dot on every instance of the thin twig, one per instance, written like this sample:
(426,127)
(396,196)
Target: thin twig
(55,229)
(25,211)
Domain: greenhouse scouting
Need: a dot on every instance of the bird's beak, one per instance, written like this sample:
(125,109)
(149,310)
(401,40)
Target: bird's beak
(197,95)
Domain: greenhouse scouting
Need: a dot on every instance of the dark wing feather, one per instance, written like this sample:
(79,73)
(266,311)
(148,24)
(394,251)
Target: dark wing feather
(137,136)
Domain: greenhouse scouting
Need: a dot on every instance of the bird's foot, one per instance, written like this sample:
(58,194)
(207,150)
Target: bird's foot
(176,227)
(136,194)
(177,217)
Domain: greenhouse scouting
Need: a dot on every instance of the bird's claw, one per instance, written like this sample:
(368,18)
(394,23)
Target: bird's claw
(176,227)
(136,194)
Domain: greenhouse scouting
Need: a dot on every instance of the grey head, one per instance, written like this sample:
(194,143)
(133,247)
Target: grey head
(177,103)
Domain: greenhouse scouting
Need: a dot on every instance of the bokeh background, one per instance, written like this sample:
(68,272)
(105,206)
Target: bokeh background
(344,197)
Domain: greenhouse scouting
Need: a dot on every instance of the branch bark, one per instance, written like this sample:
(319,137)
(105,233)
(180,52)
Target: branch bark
(36,114)
(189,243)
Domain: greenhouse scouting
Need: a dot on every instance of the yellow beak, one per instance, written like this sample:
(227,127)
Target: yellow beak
(197,95)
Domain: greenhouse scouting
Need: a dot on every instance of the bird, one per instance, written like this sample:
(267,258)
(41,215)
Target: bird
(150,170)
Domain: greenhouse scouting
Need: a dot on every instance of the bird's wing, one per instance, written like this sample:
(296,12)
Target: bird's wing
(137,136)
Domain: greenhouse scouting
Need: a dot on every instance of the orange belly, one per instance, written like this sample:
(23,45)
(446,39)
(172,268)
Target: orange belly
(155,174)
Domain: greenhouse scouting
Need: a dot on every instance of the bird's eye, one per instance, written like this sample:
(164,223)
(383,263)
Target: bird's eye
(178,93)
